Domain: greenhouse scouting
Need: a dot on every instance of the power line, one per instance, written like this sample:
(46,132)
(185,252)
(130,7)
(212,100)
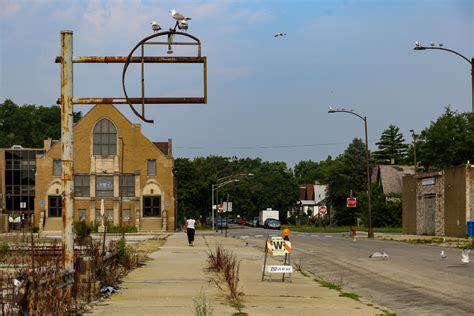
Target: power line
(265,146)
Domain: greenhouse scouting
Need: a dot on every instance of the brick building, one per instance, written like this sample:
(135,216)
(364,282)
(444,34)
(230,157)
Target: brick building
(439,203)
(117,172)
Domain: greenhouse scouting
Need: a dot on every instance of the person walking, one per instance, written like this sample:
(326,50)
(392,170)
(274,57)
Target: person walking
(189,225)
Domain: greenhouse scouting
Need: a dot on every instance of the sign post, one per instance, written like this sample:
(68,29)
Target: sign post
(278,246)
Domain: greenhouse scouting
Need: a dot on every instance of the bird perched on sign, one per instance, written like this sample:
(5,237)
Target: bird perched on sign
(279,34)
(443,255)
(155,27)
(379,255)
(465,256)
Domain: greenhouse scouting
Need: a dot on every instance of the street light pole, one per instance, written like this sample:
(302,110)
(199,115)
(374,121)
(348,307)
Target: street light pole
(215,187)
(370,233)
(221,182)
(471,62)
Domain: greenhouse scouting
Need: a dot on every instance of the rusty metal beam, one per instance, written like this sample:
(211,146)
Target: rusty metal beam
(123,59)
(163,100)
(67,163)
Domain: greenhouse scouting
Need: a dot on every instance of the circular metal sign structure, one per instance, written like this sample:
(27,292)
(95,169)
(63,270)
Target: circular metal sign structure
(171,33)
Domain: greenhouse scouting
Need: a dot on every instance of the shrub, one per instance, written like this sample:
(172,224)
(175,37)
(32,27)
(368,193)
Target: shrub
(82,229)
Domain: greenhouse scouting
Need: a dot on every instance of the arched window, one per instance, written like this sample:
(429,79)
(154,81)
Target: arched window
(105,138)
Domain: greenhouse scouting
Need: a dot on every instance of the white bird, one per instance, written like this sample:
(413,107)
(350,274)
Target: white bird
(178,16)
(279,34)
(155,27)
(432,44)
(443,255)
(465,256)
(417,44)
(383,255)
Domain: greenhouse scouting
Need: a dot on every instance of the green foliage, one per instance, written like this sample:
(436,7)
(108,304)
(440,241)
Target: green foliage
(273,185)
(308,171)
(386,210)
(82,229)
(348,172)
(121,253)
(118,229)
(29,125)
(447,142)
(391,147)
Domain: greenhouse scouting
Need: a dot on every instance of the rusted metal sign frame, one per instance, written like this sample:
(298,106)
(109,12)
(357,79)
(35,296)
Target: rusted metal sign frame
(127,60)
(67,102)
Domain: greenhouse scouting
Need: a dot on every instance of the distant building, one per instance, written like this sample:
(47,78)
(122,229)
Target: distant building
(390,177)
(311,197)
(439,203)
(17,183)
(116,168)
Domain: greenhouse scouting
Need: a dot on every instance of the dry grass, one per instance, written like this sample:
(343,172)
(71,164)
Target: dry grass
(227,267)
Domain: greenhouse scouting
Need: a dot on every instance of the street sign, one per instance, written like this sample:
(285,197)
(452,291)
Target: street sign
(167,203)
(279,269)
(220,208)
(351,202)
(323,209)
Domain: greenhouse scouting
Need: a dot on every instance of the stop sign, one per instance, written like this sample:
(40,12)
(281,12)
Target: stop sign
(351,202)
(220,208)
(323,209)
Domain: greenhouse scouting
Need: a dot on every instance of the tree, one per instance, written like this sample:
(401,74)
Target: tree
(392,149)
(347,173)
(447,142)
(386,210)
(29,125)
(308,171)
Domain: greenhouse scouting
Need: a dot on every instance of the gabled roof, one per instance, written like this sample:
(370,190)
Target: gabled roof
(390,177)
(164,147)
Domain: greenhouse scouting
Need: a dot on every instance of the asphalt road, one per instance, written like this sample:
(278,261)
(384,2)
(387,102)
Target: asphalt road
(414,280)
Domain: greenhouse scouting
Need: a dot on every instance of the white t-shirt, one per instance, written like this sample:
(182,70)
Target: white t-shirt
(190,223)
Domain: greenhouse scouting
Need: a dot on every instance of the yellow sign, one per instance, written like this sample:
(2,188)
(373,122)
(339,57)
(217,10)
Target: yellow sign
(278,246)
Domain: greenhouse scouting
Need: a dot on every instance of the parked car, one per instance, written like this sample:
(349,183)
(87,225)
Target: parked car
(222,222)
(272,223)
(254,222)
(243,221)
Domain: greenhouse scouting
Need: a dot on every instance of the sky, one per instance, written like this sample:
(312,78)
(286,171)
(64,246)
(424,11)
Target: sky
(267,97)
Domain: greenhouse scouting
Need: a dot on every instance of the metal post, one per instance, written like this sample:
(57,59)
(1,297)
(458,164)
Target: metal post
(212,207)
(369,187)
(67,162)
(472,84)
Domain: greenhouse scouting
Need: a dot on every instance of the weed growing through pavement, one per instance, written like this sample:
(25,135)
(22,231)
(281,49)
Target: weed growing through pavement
(202,306)
(226,264)
(351,295)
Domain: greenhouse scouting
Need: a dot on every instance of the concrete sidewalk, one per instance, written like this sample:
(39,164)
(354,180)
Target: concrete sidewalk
(177,272)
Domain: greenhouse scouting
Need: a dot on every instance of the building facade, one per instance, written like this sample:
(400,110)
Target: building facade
(17,184)
(119,176)
(439,203)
